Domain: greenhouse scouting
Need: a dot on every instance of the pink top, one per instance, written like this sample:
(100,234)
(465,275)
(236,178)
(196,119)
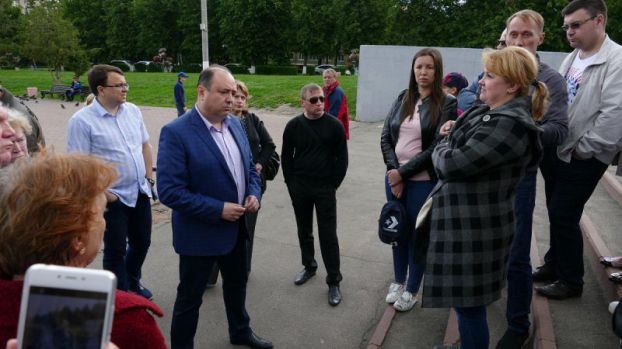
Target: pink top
(409,143)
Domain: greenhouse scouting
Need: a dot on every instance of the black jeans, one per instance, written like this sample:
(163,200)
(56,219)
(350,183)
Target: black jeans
(193,275)
(305,196)
(571,186)
(127,240)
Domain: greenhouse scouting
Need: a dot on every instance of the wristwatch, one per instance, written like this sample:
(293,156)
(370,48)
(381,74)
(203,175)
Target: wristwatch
(151,181)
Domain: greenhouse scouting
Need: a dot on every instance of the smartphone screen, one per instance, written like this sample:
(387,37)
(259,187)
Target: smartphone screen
(64,318)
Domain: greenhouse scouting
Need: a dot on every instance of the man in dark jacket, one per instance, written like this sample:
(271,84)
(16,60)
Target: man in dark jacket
(335,102)
(36,137)
(525,29)
(180,94)
(315,161)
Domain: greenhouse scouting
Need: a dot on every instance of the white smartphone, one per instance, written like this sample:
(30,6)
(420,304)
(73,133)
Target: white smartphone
(64,307)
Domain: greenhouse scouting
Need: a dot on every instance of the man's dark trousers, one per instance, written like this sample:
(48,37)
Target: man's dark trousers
(193,275)
(520,282)
(319,193)
(571,186)
(127,240)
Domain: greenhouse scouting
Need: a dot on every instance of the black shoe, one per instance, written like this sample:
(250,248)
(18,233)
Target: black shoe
(560,290)
(544,273)
(512,340)
(304,276)
(334,295)
(253,341)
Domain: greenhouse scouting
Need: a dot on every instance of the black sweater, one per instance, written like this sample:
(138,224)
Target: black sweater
(314,150)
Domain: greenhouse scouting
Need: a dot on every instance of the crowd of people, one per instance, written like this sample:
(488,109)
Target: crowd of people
(462,160)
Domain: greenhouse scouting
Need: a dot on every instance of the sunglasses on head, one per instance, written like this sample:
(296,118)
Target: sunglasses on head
(314,100)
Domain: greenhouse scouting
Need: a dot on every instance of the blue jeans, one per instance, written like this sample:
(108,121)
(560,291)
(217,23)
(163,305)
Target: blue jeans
(520,282)
(473,327)
(127,240)
(414,195)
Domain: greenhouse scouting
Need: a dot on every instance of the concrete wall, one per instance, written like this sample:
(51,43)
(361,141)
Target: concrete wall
(385,70)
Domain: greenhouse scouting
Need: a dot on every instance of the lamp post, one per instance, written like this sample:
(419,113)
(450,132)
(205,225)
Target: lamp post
(204,36)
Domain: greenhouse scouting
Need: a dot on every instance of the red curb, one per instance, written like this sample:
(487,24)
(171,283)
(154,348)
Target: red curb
(598,249)
(613,187)
(382,328)
(544,333)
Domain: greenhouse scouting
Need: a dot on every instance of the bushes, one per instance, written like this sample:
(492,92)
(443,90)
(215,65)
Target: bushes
(276,70)
(237,69)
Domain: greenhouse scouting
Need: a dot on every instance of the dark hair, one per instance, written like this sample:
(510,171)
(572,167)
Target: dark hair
(98,75)
(436,97)
(207,74)
(593,7)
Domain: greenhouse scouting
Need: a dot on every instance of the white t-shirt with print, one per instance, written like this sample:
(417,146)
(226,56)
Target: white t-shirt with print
(575,74)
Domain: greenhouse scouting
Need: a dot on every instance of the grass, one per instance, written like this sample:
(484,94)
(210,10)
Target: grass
(156,89)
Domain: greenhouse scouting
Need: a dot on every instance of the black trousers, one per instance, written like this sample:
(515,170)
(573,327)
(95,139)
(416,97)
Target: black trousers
(193,275)
(320,195)
(568,187)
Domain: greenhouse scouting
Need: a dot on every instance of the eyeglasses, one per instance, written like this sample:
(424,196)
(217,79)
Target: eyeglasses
(121,86)
(314,100)
(576,25)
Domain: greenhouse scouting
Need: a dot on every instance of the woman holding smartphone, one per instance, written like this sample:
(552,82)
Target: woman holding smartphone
(408,137)
(53,213)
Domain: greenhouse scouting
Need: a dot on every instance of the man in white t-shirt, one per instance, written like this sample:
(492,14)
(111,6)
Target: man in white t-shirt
(593,73)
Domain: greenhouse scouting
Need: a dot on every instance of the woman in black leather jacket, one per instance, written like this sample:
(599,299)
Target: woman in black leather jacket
(408,138)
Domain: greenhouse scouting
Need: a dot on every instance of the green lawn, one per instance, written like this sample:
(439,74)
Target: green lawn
(156,89)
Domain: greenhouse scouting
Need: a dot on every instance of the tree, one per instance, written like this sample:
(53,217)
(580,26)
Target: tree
(255,31)
(45,36)
(88,17)
(10,17)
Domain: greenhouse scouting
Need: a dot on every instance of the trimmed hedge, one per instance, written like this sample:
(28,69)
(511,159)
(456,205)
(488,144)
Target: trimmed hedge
(276,70)
(237,70)
(188,68)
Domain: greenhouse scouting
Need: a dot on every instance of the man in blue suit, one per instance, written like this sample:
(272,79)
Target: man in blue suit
(206,175)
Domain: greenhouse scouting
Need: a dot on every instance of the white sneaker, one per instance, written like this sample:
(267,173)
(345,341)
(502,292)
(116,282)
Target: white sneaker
(612,306)
(406,302)
(395,291)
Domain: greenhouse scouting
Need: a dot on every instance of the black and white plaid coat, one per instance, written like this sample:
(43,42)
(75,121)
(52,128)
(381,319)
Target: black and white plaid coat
(472,217)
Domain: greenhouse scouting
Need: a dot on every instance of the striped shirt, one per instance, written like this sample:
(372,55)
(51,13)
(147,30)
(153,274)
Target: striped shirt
(118,139)
(230,151)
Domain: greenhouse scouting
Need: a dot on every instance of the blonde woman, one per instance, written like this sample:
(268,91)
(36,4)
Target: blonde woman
(479,165)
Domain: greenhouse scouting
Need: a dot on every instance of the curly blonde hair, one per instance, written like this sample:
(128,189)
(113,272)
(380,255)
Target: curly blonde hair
(45,204)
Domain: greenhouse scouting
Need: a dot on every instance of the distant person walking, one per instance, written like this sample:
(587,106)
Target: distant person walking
(315,161)
(335,102)
(180,94)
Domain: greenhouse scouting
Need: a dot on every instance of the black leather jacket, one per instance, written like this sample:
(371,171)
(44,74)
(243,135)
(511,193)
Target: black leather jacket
(429,136)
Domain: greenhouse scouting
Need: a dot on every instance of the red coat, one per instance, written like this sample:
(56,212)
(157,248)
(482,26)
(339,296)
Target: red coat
(336,105)
(133,325)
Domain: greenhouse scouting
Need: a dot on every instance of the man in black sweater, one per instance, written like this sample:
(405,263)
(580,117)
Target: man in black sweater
(315,161)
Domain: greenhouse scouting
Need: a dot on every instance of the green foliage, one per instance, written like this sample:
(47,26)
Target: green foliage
(156,89)
(45,36)
(276,70)
(10,17)
(234,69)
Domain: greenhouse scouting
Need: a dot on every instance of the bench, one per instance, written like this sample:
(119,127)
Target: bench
(85,90)
(56,89)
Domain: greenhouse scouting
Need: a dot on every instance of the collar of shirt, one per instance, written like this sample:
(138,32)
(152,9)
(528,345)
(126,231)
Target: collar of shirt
(210,126)
(102,112)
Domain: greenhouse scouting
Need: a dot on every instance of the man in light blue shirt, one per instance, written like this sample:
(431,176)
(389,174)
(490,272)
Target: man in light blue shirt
(113,130)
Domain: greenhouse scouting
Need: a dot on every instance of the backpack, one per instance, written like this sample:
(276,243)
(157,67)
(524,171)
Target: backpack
(393,224)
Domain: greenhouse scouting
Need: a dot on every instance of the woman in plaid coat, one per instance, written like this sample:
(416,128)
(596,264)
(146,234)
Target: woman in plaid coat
(479,166)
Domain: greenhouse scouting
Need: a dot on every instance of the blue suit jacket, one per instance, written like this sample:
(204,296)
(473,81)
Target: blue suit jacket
(194,181)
